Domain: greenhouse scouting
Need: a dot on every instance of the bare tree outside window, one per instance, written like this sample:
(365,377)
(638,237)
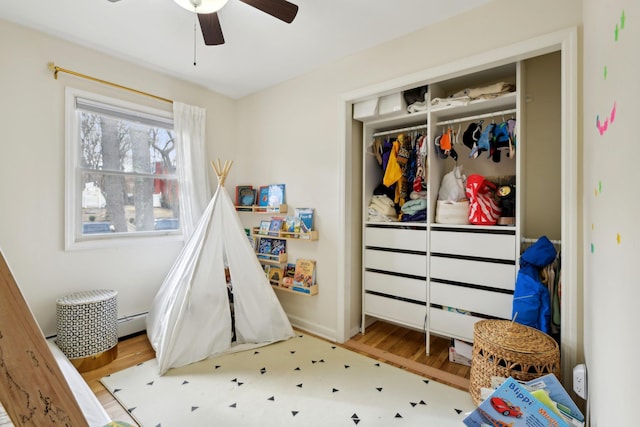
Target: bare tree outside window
(128,170)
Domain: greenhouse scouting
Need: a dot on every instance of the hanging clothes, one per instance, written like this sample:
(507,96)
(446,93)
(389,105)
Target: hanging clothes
(531,299)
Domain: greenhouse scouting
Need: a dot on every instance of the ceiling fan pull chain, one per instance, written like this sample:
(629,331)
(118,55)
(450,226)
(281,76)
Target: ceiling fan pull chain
(195,24)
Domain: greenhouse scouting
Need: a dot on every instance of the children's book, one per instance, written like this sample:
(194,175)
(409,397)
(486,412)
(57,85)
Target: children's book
(263,196)
(289,270)
(291,224)
(276,195)
(286,282)
(245,195)
(264,227)
(278,246)
(513,405)
(306,218)
(305,273)
(275,226)
(549,391)
(275,275)
(264,248)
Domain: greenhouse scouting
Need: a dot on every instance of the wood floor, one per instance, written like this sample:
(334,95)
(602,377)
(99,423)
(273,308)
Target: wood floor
(393,344)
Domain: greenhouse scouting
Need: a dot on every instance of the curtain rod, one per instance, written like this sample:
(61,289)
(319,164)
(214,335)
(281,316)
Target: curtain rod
(55,69)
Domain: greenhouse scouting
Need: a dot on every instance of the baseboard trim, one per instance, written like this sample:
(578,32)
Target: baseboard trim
(313,328)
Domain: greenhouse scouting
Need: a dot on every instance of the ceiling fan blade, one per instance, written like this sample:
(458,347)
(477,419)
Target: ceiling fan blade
(211,30)
(281,9)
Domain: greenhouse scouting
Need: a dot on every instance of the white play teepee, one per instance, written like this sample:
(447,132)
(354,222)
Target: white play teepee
(190,318)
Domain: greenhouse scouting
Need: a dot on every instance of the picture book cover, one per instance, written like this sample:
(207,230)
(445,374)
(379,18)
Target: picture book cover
(275,226)
(305,273)
(549,391)
(245,195)
(264,248)
(278,246)
(264,227)
(513,405)
(289,270)
(276,195)
(275,275)
(263,196)
(306,218)
(291,224)
(286,282)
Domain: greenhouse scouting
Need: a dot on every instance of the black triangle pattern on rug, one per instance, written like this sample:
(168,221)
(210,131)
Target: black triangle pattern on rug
(310,373)
(355,418)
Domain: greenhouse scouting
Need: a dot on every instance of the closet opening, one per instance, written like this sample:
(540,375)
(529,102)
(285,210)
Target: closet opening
(547,201)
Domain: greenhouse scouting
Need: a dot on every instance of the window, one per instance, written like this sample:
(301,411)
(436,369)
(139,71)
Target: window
(121,172)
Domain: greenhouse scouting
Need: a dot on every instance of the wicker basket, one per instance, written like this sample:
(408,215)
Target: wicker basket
(507,349)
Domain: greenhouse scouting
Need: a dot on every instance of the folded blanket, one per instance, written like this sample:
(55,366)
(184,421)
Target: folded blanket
(413,206)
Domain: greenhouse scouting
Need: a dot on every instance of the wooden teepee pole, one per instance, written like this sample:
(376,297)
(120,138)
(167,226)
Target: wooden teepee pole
(221,171)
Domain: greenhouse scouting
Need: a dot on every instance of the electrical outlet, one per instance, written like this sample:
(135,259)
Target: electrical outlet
(580,380)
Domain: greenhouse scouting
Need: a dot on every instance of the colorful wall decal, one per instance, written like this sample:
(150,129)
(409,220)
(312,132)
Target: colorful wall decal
(604,125)
(621,27)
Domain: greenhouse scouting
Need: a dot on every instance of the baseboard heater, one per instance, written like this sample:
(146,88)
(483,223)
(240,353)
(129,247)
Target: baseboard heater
(132,324)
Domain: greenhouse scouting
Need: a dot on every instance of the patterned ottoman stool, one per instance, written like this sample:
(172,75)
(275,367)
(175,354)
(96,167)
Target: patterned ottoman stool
(87,329)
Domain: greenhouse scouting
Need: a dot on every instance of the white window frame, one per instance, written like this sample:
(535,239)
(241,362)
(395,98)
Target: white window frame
(74,239)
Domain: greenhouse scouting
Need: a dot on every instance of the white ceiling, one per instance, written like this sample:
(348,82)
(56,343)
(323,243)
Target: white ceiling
(260,50)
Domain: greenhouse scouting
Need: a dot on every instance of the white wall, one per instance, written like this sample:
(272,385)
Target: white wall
(289,134)
(32,172)
(302,132)
(611,226)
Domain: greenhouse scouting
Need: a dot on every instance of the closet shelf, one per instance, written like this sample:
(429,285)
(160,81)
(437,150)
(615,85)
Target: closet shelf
(405,119)
(477,106)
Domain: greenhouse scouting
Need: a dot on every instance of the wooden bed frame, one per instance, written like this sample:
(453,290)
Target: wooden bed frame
(33,389)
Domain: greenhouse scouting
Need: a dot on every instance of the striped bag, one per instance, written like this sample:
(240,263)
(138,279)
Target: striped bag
(483,206)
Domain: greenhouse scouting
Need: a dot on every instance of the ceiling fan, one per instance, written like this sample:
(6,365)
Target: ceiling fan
(207,11)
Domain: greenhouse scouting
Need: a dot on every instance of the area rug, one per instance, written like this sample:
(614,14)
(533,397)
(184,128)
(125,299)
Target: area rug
(304,381)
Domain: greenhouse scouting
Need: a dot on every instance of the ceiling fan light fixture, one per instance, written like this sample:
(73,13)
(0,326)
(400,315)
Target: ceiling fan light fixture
(202,6)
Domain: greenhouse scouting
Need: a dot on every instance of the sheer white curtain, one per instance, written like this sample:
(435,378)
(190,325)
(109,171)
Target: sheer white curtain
(189,126)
